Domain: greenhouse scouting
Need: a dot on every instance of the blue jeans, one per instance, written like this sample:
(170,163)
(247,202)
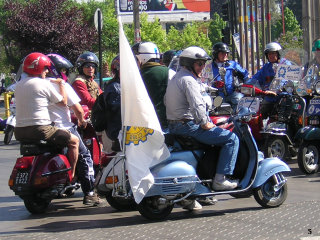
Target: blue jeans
(233,99)
(85,170)
(228,141)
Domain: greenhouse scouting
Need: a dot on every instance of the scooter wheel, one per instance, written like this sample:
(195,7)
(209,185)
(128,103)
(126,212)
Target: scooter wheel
(8,133)
(121,204)
(308,157)
(267,196)
(151,209)
(36,205)
(277,147)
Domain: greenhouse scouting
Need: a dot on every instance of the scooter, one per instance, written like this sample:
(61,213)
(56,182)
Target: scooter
(187,174)
(11,122)
(308,137)
(288,118)
(43,172)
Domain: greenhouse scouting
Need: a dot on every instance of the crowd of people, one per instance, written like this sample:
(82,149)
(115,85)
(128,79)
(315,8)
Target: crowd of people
(176,95)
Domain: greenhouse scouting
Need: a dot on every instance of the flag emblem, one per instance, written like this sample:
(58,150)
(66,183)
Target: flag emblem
(136,135)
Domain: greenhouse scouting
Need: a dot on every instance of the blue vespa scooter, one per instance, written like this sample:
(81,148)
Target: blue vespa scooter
(187,175)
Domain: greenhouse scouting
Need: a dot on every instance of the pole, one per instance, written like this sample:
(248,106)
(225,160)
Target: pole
(268,21)
(252,37)
(263,28)
(241,31)
(100,51)
(246,33)
(136,21)
(257,34)
(283,30)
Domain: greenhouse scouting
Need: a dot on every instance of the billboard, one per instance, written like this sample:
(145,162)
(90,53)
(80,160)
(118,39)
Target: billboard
(168,10)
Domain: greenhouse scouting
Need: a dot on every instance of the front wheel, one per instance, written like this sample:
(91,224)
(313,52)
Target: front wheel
(121,204)
(8,133)
(308,157)
(150,208)
(36,205)
(277,147)
(271,194)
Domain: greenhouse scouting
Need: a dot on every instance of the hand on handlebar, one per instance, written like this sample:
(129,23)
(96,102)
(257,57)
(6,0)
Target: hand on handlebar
(270,93)
(82,124)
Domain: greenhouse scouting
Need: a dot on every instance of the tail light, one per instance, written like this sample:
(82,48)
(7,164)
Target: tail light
(24,162)
(111,179)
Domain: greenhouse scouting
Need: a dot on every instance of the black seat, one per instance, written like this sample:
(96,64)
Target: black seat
(32,148)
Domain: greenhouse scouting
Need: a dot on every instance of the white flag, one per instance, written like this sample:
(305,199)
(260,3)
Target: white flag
(144,138)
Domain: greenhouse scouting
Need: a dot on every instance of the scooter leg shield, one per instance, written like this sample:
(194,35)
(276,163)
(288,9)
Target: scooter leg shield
(267,168)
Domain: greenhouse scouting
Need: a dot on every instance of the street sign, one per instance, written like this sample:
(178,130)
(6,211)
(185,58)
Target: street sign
(97,16)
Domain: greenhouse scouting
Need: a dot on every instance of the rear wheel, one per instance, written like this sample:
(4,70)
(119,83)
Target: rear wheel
(121,204)
(150,208)
(277,147)
(36,205)
(308,157)
(270,194)
(8,133)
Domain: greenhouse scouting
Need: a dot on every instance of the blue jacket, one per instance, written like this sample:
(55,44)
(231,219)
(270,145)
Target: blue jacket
(232,69)
(265,76)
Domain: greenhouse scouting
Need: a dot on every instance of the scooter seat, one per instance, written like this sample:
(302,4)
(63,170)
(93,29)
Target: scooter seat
(189,143)
(32,148)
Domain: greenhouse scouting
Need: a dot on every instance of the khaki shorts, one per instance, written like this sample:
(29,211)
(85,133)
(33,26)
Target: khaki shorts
(51,134)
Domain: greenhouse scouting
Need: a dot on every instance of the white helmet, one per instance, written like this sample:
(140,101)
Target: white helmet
(272,47)
(146,51)
(192,54)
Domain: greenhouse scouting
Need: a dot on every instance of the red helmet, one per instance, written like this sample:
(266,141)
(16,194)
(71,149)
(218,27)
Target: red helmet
(35,63)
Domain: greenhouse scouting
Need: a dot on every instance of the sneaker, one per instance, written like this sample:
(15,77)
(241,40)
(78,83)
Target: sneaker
(208,201)
(226,184)
(192,206)
(92,200)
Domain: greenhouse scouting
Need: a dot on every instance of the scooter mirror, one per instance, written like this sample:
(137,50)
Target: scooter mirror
(217,101)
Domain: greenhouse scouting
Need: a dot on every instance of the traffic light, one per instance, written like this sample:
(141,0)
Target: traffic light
(226,35)
(225,11)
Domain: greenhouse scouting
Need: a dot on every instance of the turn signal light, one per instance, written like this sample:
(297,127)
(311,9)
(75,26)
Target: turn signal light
(10,182)
(111,179)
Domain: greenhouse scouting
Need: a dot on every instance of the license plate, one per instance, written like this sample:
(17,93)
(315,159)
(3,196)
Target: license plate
(22,178)
(314,122)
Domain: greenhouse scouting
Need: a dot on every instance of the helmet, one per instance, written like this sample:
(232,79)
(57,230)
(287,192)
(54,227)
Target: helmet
(272,47)
(35,63)
(86,57)
(192,54)
(115,66)
(59,63)
(219,47)
(146,51)
(316,45)
(167,56)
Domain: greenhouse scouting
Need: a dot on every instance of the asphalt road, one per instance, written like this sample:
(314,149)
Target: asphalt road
(230,218)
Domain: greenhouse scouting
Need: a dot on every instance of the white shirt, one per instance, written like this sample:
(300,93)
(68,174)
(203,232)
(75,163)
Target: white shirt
(33,95)
(60,115)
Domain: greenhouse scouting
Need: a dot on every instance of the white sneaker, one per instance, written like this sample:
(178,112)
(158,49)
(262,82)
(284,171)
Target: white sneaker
(226,184)
(193,206)
(208,201)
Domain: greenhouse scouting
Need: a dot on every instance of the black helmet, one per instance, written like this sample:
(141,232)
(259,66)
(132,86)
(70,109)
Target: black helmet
(86,57)
(60,62)
(115,66)
(167,57)
(219,47)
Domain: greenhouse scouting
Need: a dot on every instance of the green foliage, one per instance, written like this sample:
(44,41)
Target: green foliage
(291,25)
(215,27)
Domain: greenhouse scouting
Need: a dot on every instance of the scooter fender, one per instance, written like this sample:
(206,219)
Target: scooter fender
(308,133)
(267,168)
(11,120)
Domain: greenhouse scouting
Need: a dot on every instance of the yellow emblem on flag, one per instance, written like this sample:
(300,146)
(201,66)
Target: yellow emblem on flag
(136,135)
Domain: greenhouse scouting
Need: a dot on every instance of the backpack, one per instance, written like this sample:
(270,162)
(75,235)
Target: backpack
(99,114)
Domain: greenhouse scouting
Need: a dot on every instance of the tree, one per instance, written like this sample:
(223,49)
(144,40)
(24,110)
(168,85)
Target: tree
(291,25)
(47,26)
(215,27)
(296,7)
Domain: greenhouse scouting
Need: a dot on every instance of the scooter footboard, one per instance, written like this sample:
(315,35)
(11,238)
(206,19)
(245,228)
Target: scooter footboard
(267,168)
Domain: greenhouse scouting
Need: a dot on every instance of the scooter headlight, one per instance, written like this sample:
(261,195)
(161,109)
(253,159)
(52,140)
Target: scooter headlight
(317,87)
(289,86)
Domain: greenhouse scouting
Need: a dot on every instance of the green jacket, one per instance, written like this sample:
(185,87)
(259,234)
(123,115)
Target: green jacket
(155,77)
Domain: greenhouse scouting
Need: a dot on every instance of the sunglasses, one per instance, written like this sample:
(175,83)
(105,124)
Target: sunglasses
(88,65)
(200,63)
